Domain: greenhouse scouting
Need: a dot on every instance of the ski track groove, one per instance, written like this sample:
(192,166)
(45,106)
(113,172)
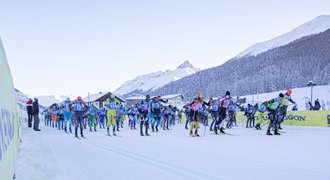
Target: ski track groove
(184,172)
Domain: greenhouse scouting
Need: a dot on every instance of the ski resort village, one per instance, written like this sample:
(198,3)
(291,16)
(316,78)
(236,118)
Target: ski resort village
(139,90)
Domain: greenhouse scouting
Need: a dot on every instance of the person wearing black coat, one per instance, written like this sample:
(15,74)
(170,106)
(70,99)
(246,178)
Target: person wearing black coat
(35,112)
(29,112)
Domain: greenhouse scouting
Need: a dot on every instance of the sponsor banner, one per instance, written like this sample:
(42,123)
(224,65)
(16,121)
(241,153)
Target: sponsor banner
(298,118)
(10,120)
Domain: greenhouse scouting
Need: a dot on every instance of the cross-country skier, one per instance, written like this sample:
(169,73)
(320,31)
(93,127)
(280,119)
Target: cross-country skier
(196,104)
(92,117)
(54,115)
(144,110)
(261,115)
(156,109)
(249,116)
(214,106)
(111,112)
(60,117)
(67,115)
(222,112)
(231,114)
(187,111)
(284,106)
(79,107)
(132,113)
(102,114)
(272,107)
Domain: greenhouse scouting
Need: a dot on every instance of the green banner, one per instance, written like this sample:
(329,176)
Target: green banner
(10,120)
(299,118)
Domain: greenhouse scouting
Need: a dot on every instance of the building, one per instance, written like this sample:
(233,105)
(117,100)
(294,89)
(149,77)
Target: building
(175,100)
(134,100)
(98,99)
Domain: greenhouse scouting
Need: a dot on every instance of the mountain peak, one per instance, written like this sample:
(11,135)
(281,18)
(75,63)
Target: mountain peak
(186,64)
(315,26)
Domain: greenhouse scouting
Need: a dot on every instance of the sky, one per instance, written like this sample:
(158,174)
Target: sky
(79,46)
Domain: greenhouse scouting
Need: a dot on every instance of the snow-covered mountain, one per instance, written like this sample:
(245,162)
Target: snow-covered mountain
(287,66)
(21,99)
(48,100)
(155,80)
(317,25)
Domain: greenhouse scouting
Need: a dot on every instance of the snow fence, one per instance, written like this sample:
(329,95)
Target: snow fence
(298,118)
(10,120)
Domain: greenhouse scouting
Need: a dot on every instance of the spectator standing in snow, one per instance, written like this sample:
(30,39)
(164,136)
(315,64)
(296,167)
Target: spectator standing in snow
(316,106)
(29,112)
(35,112)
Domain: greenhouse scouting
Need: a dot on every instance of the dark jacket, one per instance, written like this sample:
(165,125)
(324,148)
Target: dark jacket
(35,108)
(29,107)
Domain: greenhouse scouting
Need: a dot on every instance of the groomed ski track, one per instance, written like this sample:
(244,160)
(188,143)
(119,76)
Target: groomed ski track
(299,153)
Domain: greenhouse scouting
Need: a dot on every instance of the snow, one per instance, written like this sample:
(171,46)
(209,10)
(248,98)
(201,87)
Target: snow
(299,95)
(300,153)
(156,80)
(48,100)
(317,25)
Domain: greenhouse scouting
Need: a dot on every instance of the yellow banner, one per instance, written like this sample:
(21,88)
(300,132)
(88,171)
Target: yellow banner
(10,120)
(299,118)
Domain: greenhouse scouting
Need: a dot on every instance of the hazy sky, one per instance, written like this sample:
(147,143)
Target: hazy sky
(76,46)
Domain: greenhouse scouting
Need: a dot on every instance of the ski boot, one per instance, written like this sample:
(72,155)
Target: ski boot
(186,127)
(191,133)
(141,133)
(70,130)
(157,128)
(65,130)
(82,136)
(153,128)
(276,132)
(196,133)
(268,133)
(222,130)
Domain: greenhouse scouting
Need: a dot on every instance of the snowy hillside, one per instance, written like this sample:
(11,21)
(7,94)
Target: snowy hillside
(47,100)
(21,99)
(288,66)
(299,95)
(155,80)
(317,25)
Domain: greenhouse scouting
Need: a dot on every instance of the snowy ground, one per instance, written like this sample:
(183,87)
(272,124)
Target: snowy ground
(299,153)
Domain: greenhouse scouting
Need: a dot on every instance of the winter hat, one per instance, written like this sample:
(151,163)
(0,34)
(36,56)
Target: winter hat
(227,93)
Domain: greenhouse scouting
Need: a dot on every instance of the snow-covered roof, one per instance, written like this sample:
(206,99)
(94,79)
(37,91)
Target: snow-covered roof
(136,98)
(171,96)
(94,97)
